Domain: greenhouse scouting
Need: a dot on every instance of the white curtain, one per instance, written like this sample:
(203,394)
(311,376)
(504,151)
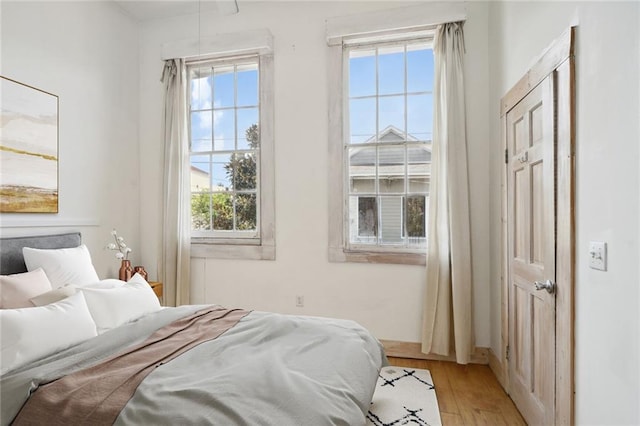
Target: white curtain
(174,262)
(447,319)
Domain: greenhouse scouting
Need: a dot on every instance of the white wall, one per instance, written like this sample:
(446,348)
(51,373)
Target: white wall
(607,140)
(87,54)
(385,298)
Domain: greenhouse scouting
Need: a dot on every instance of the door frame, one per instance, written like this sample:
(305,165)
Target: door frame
(558,59)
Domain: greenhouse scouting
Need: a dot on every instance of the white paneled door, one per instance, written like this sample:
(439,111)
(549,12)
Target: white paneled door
(530,127)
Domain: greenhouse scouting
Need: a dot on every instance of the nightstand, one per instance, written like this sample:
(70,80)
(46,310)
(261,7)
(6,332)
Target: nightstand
(157,288)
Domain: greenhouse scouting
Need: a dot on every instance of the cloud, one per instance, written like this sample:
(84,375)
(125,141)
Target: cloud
(218,144)
(201,99)
(200,88)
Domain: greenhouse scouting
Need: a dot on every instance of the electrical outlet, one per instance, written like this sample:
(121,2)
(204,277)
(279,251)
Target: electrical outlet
(300,301)
(598,255)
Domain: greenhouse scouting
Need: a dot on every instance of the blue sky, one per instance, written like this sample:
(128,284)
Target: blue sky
(220,120)
(391,83)
(217,90)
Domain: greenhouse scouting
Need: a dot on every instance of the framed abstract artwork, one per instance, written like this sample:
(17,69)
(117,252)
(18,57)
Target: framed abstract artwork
(28,149)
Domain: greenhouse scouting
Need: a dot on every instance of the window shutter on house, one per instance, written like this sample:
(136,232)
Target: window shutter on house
(391,219)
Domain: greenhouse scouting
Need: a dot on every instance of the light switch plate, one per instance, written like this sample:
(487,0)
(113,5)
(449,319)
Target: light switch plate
(598,255)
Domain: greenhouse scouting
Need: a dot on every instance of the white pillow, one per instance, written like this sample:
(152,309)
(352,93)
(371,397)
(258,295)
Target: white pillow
(29,334)
(137,278)
(62,266)
(17,289)
(53,296)
(66,291)
(113,307)
(104,284)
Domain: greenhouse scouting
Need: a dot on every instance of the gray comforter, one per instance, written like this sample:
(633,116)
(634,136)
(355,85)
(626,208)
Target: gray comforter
(269,369)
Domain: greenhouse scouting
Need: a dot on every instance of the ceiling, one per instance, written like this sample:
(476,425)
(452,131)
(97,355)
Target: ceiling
(148,10)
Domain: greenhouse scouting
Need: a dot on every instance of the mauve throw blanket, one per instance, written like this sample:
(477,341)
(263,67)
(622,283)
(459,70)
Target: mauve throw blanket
(268,369)
(96,395)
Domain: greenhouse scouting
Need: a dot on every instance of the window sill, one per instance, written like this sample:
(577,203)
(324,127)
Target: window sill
(342,255)
(233,251)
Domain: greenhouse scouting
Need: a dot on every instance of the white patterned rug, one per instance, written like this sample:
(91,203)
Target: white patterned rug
(404,396)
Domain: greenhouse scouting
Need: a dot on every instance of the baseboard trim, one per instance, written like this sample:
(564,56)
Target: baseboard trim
(498,368)
(413,350)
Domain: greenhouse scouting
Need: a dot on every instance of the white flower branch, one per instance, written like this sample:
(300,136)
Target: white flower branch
(119,246)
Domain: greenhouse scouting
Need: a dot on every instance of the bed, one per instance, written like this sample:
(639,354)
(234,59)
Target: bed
(191,364)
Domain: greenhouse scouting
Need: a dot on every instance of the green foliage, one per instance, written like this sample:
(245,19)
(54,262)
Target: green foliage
(200,211)
(201,208)
(416,216)
(246,212)
(222,211)
(242,170)
(253,136)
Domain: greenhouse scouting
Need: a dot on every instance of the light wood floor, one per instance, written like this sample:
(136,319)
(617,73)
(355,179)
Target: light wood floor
(467,394)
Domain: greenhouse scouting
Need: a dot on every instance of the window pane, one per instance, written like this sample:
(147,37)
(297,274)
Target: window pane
(367,219)
(222,173)
(224,130)
(201,130)
(201,211)
(362,170)
(419,69)
(416,220)
(391,104)
(419,168)
(391,169)
(223,87)
(362,73)
(224,146)
(200,173)
(248,85)
(246,212)
(363,220)
(201,88)
(246,119)
(362,118)
(222,211)
(244,170)
(200,145)
(420,117)
(391,70)
(391,220)
(391,118)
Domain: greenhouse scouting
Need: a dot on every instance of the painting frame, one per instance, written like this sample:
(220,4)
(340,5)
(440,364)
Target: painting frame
(29,148)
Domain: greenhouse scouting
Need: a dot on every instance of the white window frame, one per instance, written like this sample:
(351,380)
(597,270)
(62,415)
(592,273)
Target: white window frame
(340,248)
(260,246)
(230,236)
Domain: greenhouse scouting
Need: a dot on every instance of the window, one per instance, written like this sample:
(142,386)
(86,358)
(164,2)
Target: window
(225,148)
(385,132)
(231,153)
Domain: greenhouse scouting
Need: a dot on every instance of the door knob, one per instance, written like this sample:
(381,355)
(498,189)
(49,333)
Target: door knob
(548,285)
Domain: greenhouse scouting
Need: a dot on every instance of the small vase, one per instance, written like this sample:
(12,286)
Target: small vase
(126,271)
(140,270)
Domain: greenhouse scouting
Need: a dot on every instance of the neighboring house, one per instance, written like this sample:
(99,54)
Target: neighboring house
(199,179)
(391,175)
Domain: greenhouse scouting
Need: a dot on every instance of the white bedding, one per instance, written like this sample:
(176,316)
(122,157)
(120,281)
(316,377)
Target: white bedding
(268,369)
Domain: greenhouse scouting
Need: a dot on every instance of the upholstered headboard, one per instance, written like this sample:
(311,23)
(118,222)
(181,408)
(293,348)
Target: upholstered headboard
(11,260)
